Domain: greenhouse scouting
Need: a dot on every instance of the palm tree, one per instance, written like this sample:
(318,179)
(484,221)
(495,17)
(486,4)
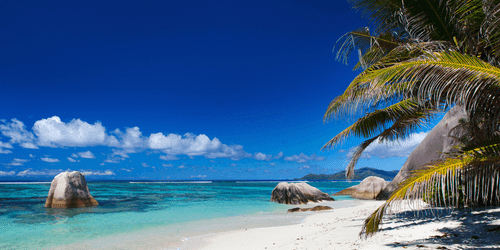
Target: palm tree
(423,57)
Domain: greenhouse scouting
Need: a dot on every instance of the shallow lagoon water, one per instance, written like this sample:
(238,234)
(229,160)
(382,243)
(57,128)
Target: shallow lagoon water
(141,215)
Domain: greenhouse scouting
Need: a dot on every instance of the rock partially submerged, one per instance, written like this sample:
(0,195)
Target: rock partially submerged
(434,147)
(69,190)
(297,193)
(369,188)
(316,208)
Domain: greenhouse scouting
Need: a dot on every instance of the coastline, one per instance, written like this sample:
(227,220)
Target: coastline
(178,236)
(339,229)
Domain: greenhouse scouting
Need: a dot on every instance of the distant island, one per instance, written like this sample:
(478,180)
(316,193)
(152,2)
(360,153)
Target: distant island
(359,174)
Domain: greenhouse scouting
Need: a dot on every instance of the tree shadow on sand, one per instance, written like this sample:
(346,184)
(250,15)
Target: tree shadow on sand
(477,229)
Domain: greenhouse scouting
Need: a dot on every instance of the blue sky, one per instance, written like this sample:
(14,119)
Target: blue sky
(170,90)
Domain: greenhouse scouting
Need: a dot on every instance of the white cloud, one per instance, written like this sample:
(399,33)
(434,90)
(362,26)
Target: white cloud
(132,138)
(233,152)
(198,176)
(262,157)
(181,166)
(278,156)
(305,167)
(17,162)
(123,153)
(107,172)
(18,134)
(5,173)
(111,161)
(119,155)
(273,164)
(72,160)
(302,158)
(47,159)
(396,149)
(5,151)
(5,145)
(195,145)
(29,172)
(32,156)
(169,157)
(86,154)
(233,165)
(52,132)
(167,165)
(28,145)
(145,165)
(125,169)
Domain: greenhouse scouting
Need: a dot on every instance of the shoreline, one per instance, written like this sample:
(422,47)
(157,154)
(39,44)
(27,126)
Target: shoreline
(176,236)
(339,229)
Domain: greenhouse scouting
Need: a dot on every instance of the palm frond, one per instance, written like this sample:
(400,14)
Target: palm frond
(420,20)
(367,125)
(473,174)
(363,41)
(379,13)
(364,97)
(470,17)
(447,53)
(361,95)
(451,76)
(490,29)
(423,182)
(349,174)
(408,121)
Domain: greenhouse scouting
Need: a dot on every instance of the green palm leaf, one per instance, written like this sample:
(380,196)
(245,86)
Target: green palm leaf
(476,171)
(401,128)
(432,54)
(422,182)
(367,125)
(451,76)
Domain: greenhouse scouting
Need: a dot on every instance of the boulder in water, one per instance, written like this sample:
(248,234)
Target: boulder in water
(369,188)
(69,190)
(297,193)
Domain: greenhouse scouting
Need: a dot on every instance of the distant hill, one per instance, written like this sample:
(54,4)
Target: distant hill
(359,174)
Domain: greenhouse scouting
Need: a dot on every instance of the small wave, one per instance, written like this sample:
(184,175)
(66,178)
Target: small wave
(266,181)
(156,182)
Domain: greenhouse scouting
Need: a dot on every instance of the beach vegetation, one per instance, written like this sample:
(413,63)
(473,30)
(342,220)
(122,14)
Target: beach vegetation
(420,58)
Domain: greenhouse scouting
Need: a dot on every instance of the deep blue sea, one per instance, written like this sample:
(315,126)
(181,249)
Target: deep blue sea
(138,215)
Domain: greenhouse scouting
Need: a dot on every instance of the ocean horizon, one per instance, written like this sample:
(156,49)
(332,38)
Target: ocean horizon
(42,181)
(131,214)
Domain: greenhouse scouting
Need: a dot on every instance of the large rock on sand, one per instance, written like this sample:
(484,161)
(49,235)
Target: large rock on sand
(297,193)
(69,190)
(347,191)
(369,188)
(433,147)
(316,208)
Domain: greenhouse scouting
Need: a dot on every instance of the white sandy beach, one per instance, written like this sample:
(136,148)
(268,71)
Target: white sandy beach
(339,229)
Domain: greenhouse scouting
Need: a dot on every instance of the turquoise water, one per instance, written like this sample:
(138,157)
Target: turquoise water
(140,215)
